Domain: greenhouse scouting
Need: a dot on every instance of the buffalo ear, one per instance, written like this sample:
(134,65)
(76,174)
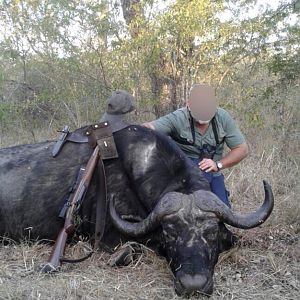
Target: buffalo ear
(227,238)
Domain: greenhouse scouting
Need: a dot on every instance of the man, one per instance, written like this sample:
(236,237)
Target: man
(201,129)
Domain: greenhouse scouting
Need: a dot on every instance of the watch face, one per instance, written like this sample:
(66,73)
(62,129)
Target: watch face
(219,164)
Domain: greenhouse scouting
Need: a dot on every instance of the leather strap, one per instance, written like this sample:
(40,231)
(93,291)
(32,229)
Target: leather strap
(101,205)
(192,127)
(77,260)
(79,137)
(214,127)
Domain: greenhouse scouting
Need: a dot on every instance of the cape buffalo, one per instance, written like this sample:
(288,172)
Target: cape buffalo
(155,195)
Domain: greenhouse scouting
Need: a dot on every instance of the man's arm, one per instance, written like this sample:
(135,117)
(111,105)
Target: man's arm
(234,140)
(232,158)
(235,155)
(164,124)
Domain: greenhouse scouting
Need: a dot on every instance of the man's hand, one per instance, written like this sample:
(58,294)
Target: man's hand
(208,165)
(148,125)
(232,158)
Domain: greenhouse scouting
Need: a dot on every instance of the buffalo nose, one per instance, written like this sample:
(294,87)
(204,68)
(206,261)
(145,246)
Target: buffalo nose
(197,283)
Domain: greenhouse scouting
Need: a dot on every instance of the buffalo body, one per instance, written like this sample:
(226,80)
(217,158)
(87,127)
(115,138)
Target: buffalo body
(155,195)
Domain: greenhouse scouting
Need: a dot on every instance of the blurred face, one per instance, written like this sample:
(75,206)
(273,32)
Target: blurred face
(202,103)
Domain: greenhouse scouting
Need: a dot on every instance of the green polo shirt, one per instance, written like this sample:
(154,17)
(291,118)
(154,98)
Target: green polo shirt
(177,124)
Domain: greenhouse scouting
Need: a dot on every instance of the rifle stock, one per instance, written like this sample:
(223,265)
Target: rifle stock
(56,256)
(54,262)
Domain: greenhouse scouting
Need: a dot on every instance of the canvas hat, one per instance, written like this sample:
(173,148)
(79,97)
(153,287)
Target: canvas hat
(118,104)
(202,102)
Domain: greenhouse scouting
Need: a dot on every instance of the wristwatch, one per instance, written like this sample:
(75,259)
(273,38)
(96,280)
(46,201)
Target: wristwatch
(219,165)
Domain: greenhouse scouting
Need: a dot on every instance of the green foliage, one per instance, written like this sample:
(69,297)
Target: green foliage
(286,66)
(6,113)
(61,59)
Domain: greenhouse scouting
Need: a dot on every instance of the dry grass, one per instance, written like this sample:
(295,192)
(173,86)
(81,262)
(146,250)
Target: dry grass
(277,163)
(267,268)
(265,265)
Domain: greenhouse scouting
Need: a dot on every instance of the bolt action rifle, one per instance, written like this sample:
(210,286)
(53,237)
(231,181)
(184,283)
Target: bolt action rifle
(76,197)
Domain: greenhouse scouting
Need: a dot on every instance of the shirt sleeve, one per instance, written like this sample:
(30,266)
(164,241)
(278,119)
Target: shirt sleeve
(165,124)
(233,136)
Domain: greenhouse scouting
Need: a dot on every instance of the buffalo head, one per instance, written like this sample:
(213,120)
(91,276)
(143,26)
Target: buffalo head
(193,233)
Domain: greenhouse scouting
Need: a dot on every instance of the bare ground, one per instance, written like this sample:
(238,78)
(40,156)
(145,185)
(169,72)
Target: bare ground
(264,265)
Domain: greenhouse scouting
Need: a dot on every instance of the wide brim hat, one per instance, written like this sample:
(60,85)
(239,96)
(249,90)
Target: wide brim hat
(202,102)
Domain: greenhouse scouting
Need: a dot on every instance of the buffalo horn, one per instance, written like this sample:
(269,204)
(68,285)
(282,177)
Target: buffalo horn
(169,204)
(207,201)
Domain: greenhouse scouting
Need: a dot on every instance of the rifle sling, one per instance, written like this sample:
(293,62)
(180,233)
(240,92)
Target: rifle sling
(101,205)
(77,260)
(101,136)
